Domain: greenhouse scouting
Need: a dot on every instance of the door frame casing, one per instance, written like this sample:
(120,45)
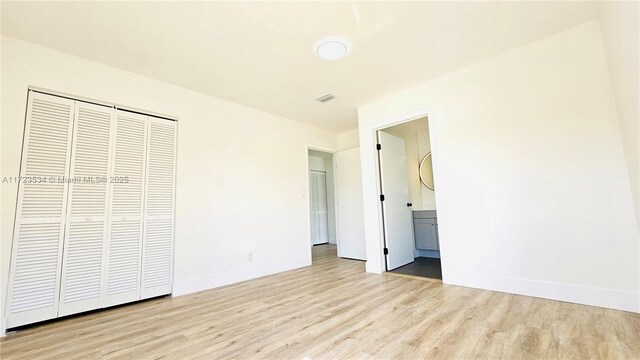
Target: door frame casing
(374,231)
(307,194)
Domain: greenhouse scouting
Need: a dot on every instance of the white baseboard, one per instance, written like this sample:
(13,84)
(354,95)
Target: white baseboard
(213,281)
(606,298)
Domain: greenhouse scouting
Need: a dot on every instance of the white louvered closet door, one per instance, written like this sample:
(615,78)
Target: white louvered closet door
(39,225)
(313,197)
(86,228)
(124,242)
(318,197)
(157,255)
(323,219)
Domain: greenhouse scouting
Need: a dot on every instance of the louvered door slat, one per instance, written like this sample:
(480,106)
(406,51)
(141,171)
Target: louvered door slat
(318,200)
(86,229)
(323,221)
(313,197)
(39,226)
(157,259)
(124,243)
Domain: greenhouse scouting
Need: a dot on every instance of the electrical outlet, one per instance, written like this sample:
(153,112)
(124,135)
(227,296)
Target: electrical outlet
(250,257)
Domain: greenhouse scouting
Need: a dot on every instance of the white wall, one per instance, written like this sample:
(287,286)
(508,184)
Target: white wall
(317,163)
(424,147)
(242,173)
(533,194)
(325,164)
(348,139)
(621,33)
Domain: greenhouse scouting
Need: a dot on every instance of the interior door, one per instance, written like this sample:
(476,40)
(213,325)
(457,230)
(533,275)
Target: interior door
(349,210)
(319,215)
(394,183)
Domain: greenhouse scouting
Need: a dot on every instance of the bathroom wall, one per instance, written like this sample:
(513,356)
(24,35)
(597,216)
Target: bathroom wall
(424,147)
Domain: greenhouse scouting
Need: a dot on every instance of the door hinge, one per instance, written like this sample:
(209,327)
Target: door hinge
(381,197)
(386,251)
(378,147)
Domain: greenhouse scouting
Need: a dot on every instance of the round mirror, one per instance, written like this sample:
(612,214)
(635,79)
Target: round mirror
(426,171)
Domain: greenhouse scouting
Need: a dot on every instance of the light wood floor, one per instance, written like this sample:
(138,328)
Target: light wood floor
(334,310)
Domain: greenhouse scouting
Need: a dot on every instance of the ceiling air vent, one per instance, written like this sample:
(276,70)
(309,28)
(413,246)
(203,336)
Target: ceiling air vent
(325,98)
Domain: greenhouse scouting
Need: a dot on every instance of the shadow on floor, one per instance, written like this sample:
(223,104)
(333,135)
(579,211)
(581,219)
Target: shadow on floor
(422,266)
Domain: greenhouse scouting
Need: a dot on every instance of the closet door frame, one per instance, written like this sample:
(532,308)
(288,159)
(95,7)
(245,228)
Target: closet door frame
(45,313)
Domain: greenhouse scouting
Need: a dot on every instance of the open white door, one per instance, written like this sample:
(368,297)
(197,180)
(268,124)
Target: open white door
(349,210)
(394,182)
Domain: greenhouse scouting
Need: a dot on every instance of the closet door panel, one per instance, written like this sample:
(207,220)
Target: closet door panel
(318,200)
(157,258)
(124,243)
(323,220)
(313,197)
(39,225)
(86,228)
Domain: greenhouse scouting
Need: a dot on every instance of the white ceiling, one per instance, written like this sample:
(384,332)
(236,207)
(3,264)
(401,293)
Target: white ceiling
(261,53)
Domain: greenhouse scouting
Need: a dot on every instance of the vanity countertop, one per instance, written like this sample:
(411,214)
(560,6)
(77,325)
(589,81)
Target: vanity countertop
(424,214)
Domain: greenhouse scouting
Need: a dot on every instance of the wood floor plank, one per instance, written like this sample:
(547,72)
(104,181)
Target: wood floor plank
(334,310)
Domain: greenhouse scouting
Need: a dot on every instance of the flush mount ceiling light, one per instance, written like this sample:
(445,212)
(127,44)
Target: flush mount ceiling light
(331,49)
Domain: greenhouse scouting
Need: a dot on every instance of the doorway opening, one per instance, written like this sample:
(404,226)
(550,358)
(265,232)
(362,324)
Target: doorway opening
(407,195)
(322,200)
